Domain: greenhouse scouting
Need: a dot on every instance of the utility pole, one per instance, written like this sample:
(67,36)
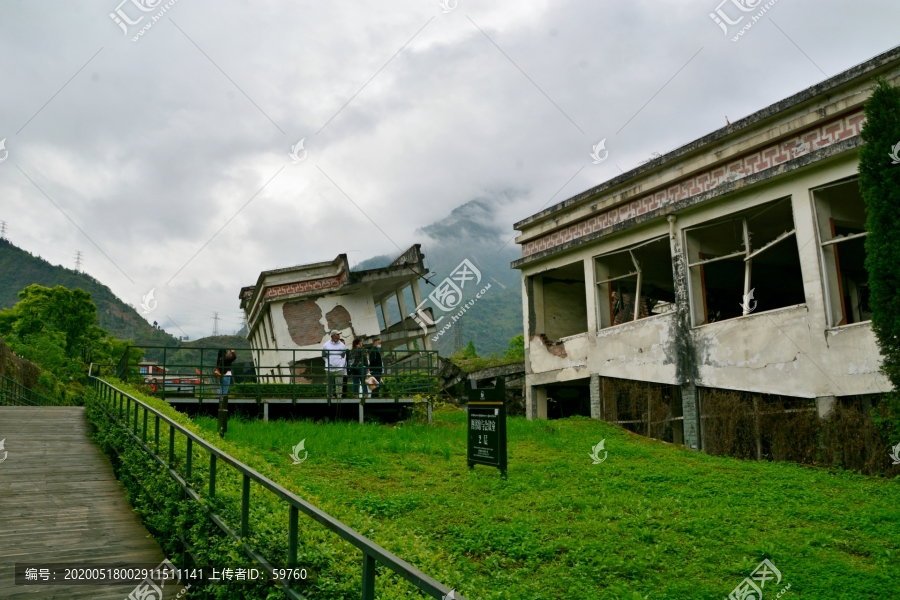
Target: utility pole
(78,260)
(215,324)
(2,230)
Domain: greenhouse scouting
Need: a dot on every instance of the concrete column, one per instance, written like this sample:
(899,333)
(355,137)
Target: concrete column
(541,397)
(596,406)
(265,412)
(590,291)
(825,406)
(401,302)
(386,313)
(416,292)
(690,408)
(535,402)
(361,411)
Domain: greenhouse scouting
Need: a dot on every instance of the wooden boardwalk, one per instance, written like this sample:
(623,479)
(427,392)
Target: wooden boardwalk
(61,502)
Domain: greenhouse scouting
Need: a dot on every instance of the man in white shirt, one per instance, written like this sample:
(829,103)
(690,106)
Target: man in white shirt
(335,354)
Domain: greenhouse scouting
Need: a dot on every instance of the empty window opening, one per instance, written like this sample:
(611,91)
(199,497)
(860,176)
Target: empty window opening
(562,309)
(746,262)
(569,400)
(393,307)
(643,407)
(841,218)
(635,283)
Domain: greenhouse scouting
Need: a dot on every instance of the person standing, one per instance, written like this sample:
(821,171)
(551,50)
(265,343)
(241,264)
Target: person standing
(357,365)
(223,369)
(376,365)
(335,354)
(223,372)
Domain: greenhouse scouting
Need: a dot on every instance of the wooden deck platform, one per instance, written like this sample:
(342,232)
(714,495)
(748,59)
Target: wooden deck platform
(61,502)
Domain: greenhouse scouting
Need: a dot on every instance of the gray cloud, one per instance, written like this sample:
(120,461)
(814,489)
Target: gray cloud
(151,149)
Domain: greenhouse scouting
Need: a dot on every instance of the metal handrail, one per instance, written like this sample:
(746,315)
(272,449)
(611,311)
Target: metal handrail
(372,552)
(13,392)
(301,372)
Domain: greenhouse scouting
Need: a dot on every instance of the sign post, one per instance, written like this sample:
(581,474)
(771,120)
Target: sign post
(487,427)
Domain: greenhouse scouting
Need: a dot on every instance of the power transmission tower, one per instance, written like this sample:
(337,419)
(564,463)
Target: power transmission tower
(78,260)
(458,336)
(2,230)
(215,324)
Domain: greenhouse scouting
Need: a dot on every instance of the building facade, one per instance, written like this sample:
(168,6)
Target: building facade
(735,262)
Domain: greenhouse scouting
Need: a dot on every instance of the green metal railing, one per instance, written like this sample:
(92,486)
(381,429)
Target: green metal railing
(287,374)
(14,393)
(133,415)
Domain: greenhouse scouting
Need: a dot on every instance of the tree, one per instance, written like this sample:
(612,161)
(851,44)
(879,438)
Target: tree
(469,351)
(879,182)
(40,309)
(516,349)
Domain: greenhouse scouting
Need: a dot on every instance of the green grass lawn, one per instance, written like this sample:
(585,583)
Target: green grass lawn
(652,521)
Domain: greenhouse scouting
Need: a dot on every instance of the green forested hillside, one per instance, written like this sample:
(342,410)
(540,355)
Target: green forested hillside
(19,269)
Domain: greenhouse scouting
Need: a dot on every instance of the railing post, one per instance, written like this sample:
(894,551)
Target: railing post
(189,460)
(368,577)
(127,410)
(156,434)
(171,446)
(163,395)
(292,537)
(212,474)
(144,432)
(245,507)
(136,406)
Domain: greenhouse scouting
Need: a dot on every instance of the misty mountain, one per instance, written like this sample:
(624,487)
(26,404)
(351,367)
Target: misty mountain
(471,231)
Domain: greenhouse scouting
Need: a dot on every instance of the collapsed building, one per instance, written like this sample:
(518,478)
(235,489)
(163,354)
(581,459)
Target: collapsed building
(291,311)
(732,264)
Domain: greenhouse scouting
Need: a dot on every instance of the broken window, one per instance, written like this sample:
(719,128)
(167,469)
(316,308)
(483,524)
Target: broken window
(560,303)
(743,263)
(841,216)
(635,283)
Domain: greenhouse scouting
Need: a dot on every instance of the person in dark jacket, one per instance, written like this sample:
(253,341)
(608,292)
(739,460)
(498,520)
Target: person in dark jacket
(357,365)
(376,365)
(223,369)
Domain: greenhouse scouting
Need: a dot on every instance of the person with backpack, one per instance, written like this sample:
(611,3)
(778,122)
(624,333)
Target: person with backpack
(376,367)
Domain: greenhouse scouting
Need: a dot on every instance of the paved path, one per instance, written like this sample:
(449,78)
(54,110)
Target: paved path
(61,502)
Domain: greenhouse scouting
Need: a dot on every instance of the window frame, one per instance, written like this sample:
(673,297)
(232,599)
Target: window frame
(637,272)
(826,293)
(748,252)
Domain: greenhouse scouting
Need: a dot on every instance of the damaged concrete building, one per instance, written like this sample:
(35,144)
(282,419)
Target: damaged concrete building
(290,311)
(735,262)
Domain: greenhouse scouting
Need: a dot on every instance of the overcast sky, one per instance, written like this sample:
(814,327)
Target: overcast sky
(406,111)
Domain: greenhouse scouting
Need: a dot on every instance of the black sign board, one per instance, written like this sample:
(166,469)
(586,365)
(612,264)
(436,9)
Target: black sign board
(487,427)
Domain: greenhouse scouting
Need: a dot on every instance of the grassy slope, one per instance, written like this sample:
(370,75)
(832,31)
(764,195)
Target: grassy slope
(653,520)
